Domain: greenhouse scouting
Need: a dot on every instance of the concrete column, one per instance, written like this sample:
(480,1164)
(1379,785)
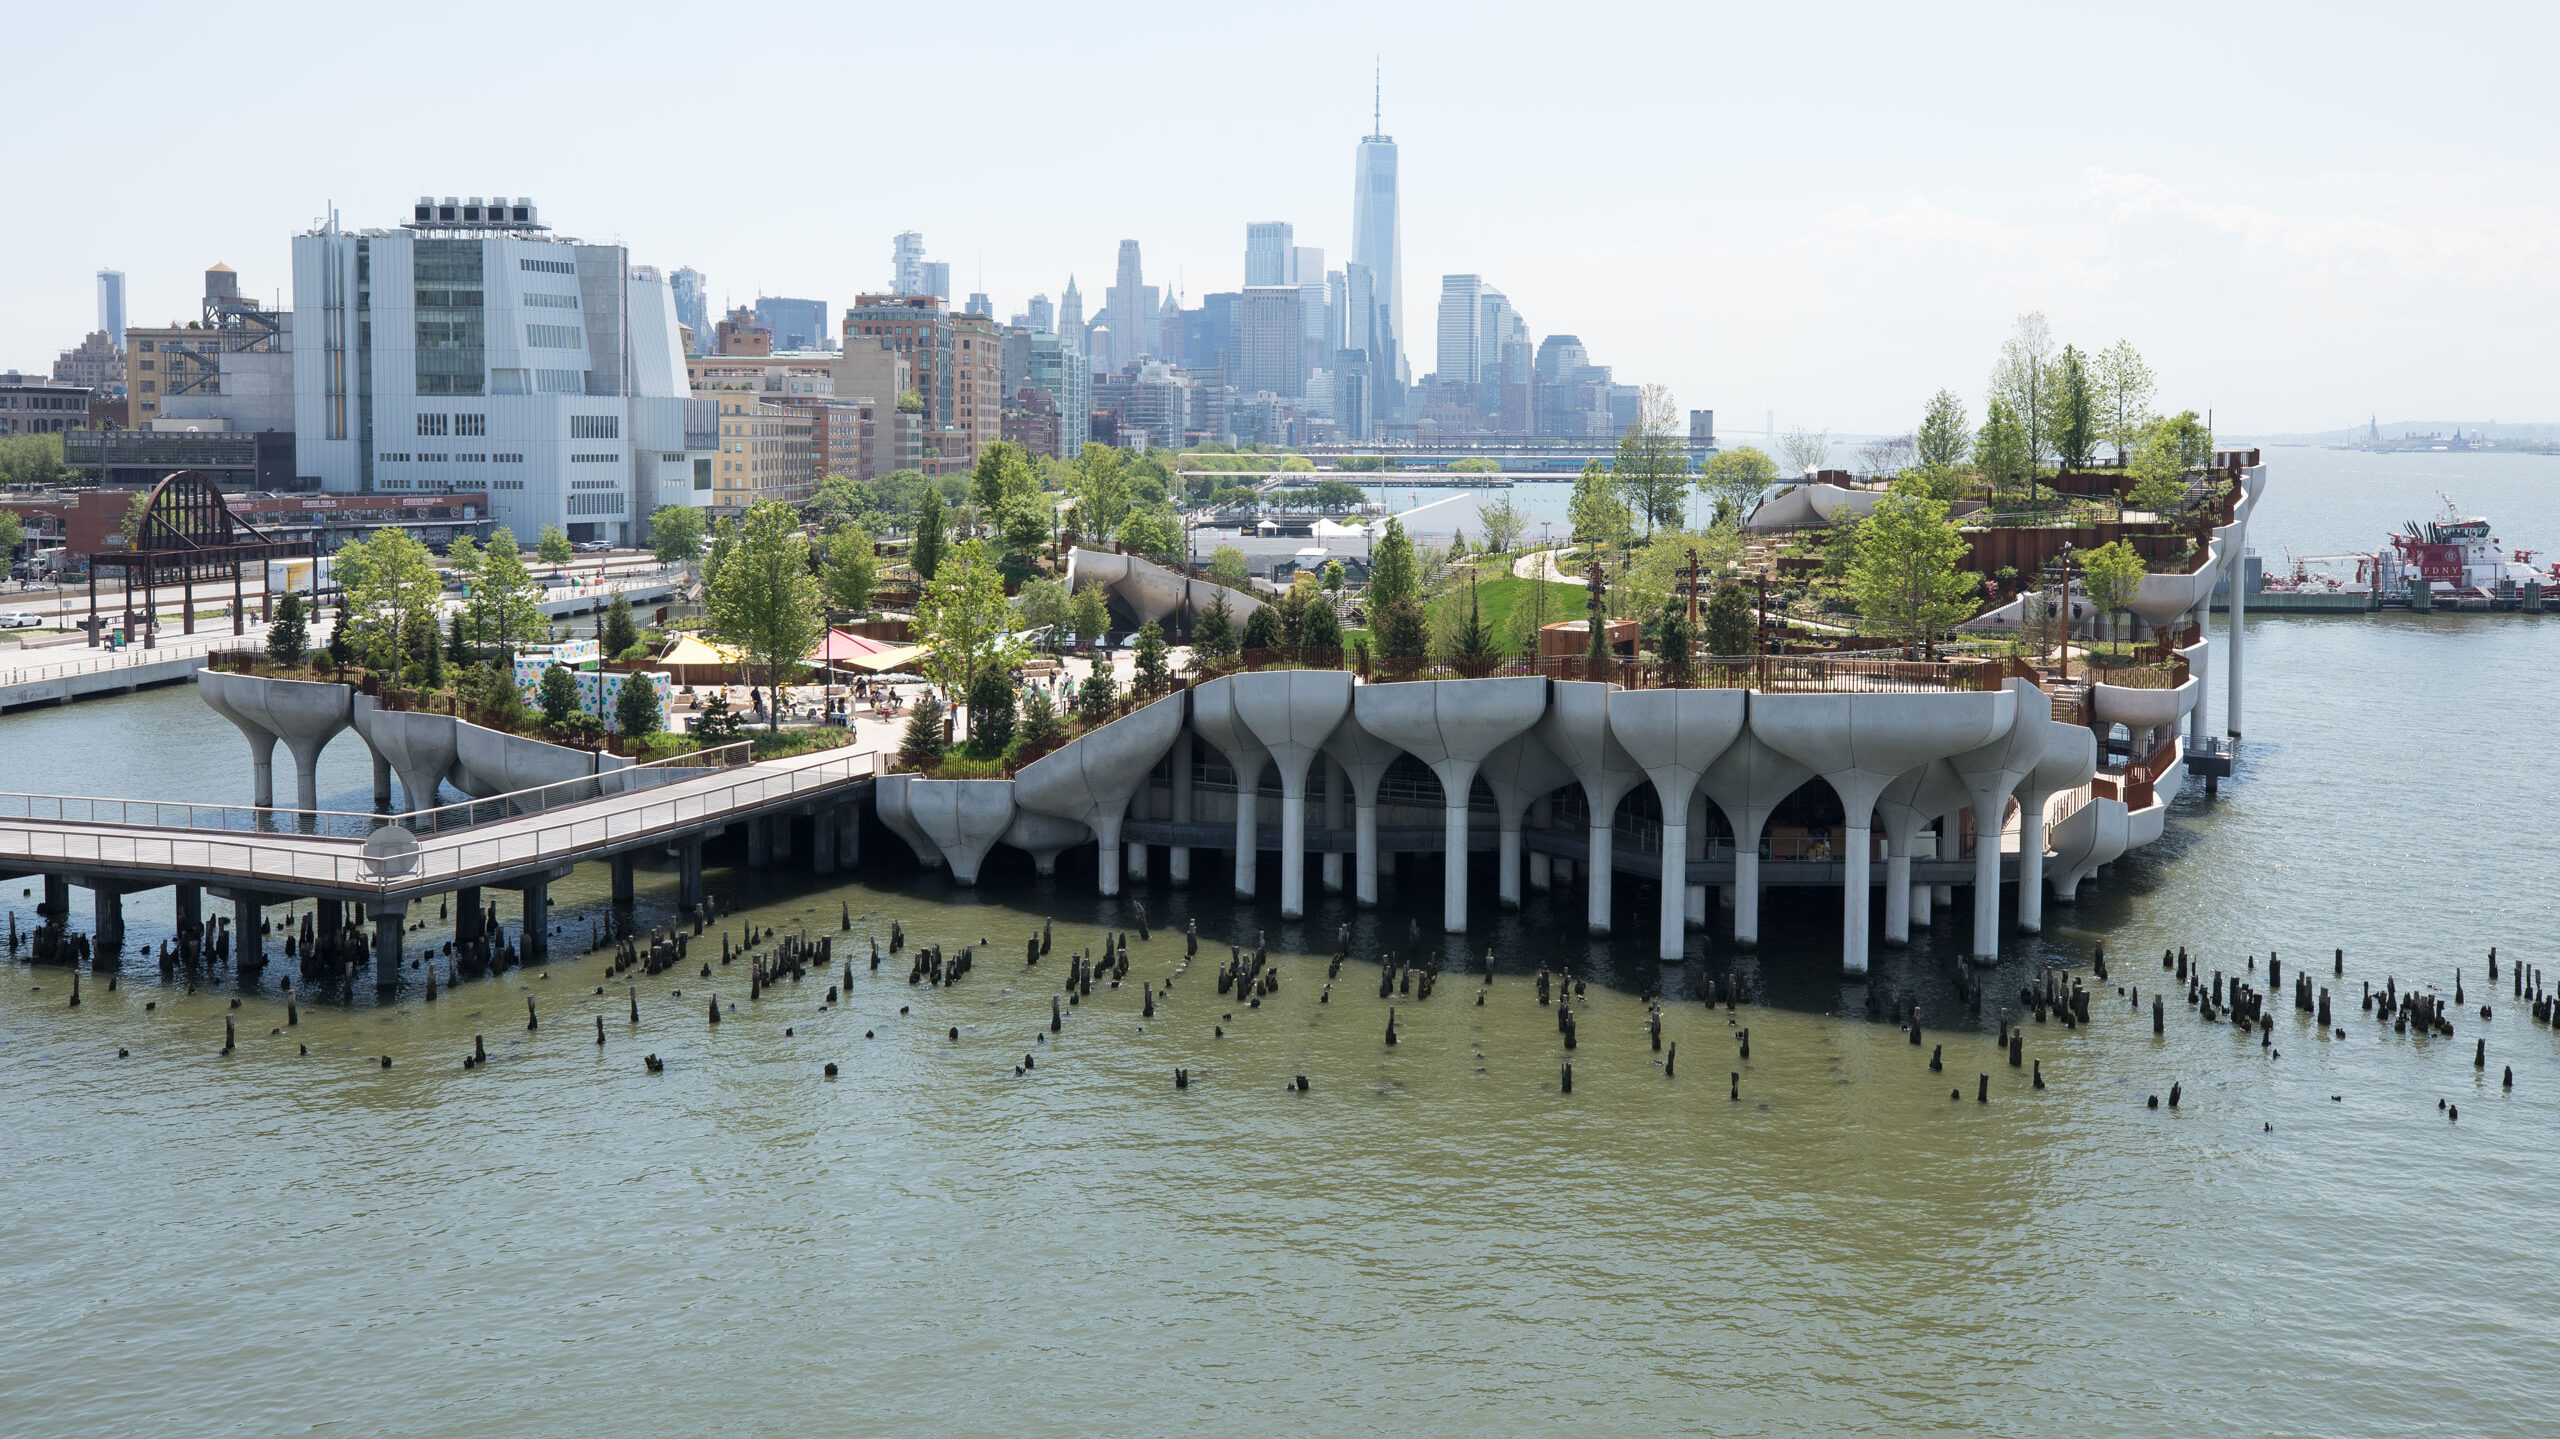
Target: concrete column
(381,782)
(1507,866)
(537,918)
(249,946)
(688,873)
(778,837)
(1746,880)
(822,842)
(1542,872)
(57,898)
(262,770)
(2202,669)
(1942,894)
(1921,910)
(1136,866)
(759,847)
(1673,940)
(1248,827)
(1897,894)
(1602,866)
(1177,863)
(389,922)
(1337,784)
(1107,830)
(1698,906)
(1293,840)
(2239,618)
(1364,854)
(1986,887)
(1453,868)
(848,837)
(1854,918)
(2031,863)
(620,864)
(107,932)
(328,916)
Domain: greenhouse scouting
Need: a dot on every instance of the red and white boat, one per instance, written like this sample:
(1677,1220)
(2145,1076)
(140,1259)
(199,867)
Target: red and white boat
(2453,554)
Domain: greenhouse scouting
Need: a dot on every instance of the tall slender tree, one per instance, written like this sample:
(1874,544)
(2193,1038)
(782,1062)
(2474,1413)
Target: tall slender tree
(764,605)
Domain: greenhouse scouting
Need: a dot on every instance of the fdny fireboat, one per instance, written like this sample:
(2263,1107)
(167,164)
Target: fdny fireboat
(2455,558)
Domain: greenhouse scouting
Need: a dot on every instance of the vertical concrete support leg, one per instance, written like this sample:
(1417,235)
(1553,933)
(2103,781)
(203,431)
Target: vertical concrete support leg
(250,946)
(1673,940)
(689,873)
(537,919)
(1855,885)
(262,770)
(1108,833)
(389,922)
(848,836)
(1602,865)
(2202,614)
(620,864)
(1746,887)
(107,930)
(1136,866)
(1364,855)
(1337,786)
(778,837)
(1293,841)
(57,898)
(2239,619)
(1507,881)
(381,782)
(1177,861)
(1542,872)
(470,914)
(1942,894)
(1921,910)
(1986,891)
(822,842)
(1453,868)
(759,846)
(1897,894)
(1248,829)
(2031,863)
(306,777)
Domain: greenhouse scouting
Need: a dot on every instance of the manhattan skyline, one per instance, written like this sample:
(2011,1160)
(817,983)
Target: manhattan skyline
(1828,220)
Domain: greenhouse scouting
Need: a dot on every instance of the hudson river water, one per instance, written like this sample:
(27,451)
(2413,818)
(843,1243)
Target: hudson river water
(1432,1238)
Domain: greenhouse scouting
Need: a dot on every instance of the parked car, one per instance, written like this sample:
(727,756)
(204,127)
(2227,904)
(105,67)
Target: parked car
(594,547)
(19,620)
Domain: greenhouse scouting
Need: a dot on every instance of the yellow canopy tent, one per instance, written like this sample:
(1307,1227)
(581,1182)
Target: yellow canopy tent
(691,661)
(884,661)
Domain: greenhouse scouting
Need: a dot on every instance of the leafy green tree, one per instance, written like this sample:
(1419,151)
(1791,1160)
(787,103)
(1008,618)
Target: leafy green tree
(2075,410)
(1332,577)
(990,712)
(1652,466)
(505,603)
(32,460)
(392,589)
(675,534)
(2124,397)
(1154,532)
(1297,462)
(1945,434)
(853,570)
(636,713)
(922,739)
(2159,477)
(1100,490)
(764,605)
(620,631)
(559,695)
(1092,616)
(1503,523)
(1041,724)
(2002,451)
(2022,379)
(925,555)
(966,620)
(462,559)
(1395,572)
(1598,510)
(2112,574)
(1007,490)
(1906,579)
(1673,642)
(724,543)
(1227,566)
(493,688)
(1728,621)
(1337,495)
(553,547)
(288,637)
(1155,665)
(1734,480)
(1402,630)
(1214,635)
(2194,442)
(1045,605)
(1262,629)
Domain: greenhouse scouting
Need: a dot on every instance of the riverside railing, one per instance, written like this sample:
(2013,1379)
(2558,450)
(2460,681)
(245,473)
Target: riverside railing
(280,860)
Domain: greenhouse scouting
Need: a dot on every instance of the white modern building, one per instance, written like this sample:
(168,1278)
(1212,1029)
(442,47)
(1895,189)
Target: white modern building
(471,348)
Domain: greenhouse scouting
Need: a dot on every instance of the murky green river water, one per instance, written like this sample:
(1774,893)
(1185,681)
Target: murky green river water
(1431,1238)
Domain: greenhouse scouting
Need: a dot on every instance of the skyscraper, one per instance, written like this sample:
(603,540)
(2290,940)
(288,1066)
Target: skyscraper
(111,306)
(1044,316)
(1377,242)
(1071,314)
(693,306)
(979,304)
(906,258)
(937,280)
(796,324)
(1266,252)
(1461,358)
(1128,310)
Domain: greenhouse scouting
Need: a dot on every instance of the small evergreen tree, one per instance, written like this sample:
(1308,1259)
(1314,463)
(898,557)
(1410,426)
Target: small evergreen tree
(1320,630)
(1402,632)
(456,648)
(559,695)
(1262,629)
(923,737)
(1041,724)
(716,724)
(1473,650)
(288,638)
(990,713)
(1215,634)
(1155,665)
(635,709)
(1458,545)
(1599,656)
(620,633)
(1672,642)
(1098,698)
(1728,621)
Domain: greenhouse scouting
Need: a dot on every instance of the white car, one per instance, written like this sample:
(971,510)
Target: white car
(20,620)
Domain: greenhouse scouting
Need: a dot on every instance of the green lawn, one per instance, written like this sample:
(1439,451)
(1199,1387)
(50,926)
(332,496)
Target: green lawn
(1500,597)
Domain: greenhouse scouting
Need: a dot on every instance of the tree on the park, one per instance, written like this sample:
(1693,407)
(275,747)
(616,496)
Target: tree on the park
(764,605)
(1906,577)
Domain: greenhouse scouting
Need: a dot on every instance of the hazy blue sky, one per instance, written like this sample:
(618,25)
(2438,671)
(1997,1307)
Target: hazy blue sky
(2298,212)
